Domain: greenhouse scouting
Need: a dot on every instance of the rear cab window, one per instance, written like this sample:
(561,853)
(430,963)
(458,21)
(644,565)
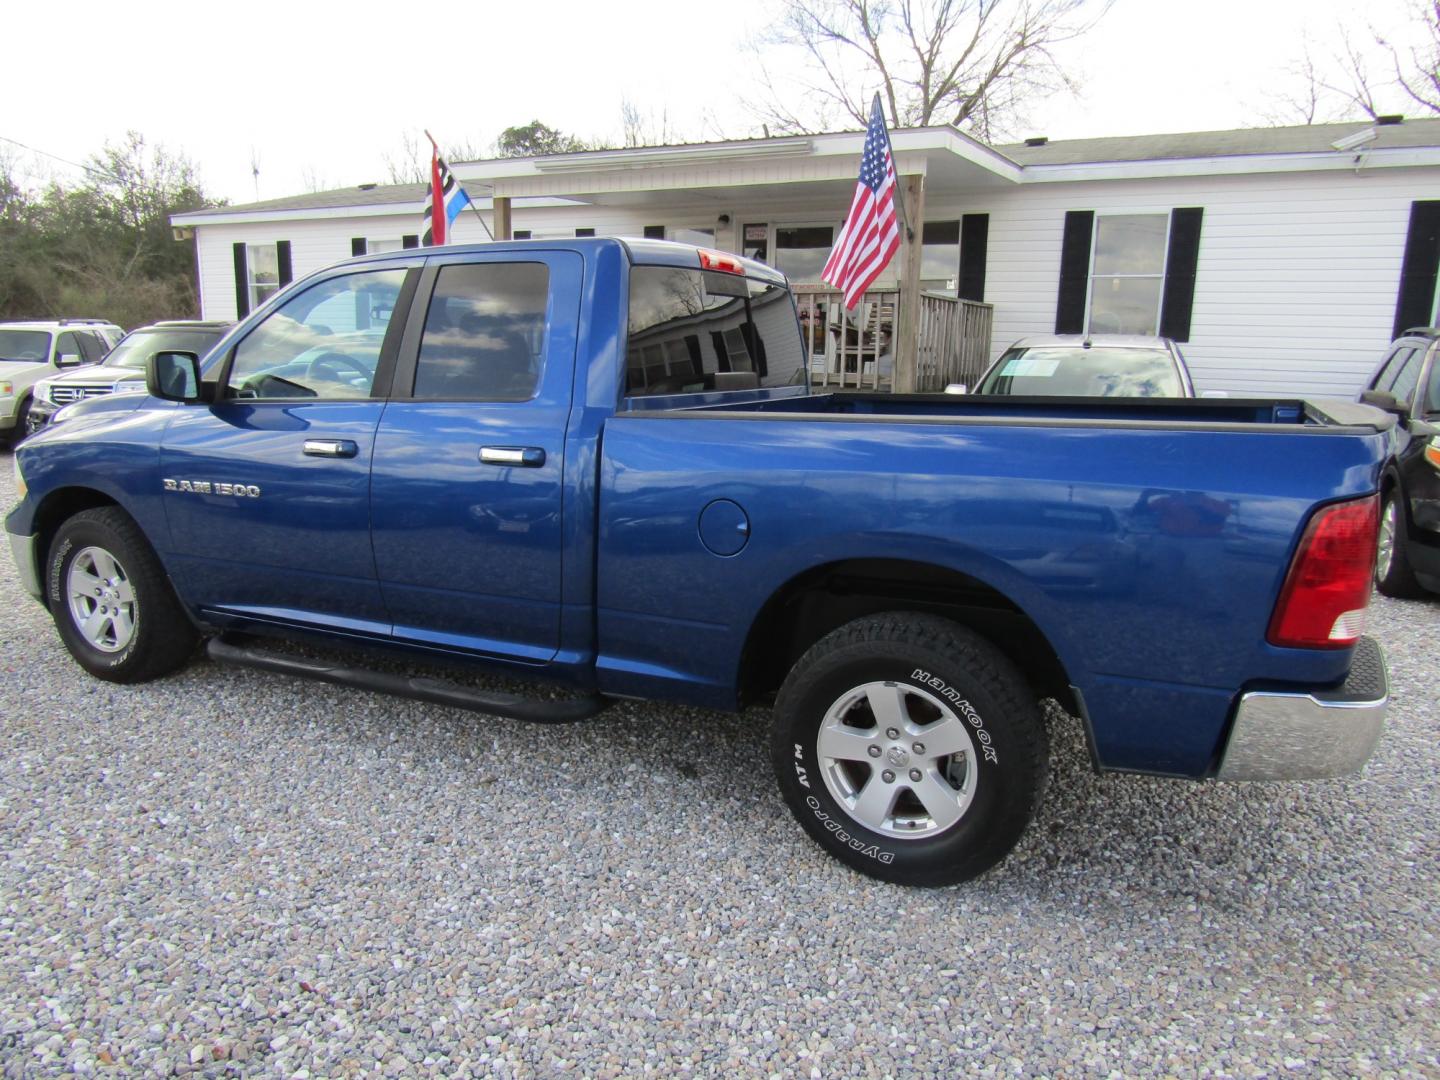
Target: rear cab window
(693,331)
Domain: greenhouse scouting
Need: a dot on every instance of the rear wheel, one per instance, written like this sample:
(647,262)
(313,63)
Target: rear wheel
(1393,575)
(909,748)
(111,601)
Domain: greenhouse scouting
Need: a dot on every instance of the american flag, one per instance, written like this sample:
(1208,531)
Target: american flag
(447,199)
(870,236)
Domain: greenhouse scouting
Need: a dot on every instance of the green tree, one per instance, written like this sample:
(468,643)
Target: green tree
(536,139)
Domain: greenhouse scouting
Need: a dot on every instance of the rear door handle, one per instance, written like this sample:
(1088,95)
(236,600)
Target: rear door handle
(530,457)
(331,448)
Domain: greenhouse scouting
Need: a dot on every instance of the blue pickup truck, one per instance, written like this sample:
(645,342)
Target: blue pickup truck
(598,464)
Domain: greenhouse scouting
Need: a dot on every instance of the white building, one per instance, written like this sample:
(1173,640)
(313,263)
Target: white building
(1283,259)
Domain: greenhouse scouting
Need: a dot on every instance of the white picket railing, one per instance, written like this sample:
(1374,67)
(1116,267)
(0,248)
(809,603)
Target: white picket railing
(854,350)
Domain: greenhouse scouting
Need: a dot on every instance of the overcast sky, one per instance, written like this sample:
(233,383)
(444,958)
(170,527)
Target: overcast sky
(319,94)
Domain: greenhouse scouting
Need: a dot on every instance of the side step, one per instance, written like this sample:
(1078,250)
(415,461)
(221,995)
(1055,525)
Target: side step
(417,688)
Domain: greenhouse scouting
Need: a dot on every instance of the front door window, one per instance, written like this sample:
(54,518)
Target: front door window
(801,251)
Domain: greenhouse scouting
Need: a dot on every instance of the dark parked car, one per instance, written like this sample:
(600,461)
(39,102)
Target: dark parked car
(1102,365)
(123,368)
(1407,384)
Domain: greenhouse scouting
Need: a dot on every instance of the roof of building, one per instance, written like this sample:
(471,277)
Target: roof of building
(1189,145)
(1301,139)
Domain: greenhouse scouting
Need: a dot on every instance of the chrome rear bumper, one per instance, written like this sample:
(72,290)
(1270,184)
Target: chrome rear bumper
(1310,736)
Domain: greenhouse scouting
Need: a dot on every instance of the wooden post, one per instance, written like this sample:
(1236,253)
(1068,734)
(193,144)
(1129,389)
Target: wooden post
(502,217)
(907,340)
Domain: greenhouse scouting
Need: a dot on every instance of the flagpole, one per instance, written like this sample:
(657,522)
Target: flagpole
(899,197)
(468,201)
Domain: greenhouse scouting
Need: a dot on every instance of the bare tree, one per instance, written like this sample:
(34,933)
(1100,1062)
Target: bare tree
(411,165)
(1417,66)
(642,127)
(1365,73)
(970,63)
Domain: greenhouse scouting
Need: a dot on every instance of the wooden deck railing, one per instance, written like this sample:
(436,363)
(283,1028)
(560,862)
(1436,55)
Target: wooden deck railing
(854,350)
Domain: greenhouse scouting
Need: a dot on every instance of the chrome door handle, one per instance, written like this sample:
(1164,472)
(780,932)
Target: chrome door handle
(331,448)
(530,457)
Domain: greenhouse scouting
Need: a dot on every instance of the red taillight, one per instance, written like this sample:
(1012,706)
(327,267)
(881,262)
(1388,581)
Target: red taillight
(1322,605)
(718,260)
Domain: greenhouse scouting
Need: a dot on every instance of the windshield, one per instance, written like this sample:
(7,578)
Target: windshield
(138,347)
(31,345)
(697,330)
(1071,371)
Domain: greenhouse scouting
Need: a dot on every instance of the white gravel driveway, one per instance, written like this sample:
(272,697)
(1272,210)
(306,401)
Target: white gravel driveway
(230,873)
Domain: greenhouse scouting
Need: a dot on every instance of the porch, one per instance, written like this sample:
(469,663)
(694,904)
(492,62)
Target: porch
(856,350)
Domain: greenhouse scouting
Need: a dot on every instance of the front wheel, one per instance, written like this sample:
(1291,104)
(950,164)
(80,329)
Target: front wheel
(910,748)
(111,601)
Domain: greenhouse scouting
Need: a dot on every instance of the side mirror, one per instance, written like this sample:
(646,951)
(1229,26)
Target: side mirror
(1386,402)
(65,360)
(957,388)
(173,376)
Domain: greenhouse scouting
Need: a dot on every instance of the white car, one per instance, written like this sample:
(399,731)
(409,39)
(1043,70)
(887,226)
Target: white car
(31,350)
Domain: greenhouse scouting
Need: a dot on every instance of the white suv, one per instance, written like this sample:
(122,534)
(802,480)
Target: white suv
(31,350)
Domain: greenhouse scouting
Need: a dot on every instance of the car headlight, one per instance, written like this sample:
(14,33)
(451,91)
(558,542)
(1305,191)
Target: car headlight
(42,392)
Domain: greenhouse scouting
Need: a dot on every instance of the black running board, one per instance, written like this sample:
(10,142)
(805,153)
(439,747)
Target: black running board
(417,688)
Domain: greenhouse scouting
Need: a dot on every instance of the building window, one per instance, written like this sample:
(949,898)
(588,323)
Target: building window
(654,232)
(584,232)
(1127,273)
(801,251)
(940,257)
(520,234)
(264,263)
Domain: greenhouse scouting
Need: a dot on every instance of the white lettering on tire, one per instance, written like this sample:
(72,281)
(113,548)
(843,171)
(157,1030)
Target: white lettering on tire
(967,710)
(852,842)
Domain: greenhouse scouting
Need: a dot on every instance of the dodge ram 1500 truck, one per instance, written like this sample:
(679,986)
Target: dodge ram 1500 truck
(598,463)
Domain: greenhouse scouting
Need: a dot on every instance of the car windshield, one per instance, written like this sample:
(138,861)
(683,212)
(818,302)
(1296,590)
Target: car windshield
(138,347)
(1073,371)
(31,345)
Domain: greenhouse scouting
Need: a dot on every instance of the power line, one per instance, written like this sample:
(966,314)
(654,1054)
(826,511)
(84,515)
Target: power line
(57,157)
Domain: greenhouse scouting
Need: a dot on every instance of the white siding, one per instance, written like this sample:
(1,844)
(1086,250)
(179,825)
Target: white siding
(1297,280)
(1295,291)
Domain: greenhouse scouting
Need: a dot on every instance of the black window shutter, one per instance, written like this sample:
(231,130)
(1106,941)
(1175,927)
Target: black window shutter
(242,283)
(1417,272)
(282,257)
(1074,272)
(357,245)
(1179,296)
(410,240)
(974,240)
(654,232)
(584,232)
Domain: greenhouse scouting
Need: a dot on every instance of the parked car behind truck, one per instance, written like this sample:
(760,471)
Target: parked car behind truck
(586,462)
(1407,384)
(123,367)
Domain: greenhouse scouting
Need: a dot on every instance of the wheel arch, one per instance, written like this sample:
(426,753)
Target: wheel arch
(57,507)
(823,598)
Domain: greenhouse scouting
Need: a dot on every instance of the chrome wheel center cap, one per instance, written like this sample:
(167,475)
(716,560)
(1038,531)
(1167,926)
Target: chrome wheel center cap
(898,757)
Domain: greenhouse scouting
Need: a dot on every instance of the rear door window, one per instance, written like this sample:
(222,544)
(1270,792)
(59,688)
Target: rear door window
(697,330)
(484,333)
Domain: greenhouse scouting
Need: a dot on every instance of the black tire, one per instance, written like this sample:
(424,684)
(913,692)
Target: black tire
(152,636)
(939,672)
(21,428)
(1397,578)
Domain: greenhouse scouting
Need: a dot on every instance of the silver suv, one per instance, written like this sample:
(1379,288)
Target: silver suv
(33,349)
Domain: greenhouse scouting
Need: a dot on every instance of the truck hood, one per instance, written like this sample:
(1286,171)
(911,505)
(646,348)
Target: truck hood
(11,367)
(97,408)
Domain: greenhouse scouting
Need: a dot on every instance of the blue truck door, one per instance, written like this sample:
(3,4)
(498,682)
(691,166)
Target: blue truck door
(467,483)
(267,491)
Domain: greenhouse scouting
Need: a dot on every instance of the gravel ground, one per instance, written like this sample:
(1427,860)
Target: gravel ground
(229,873)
